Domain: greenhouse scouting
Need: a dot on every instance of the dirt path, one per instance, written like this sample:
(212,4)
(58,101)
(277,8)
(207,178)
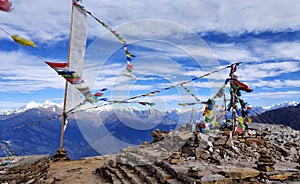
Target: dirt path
(76,171)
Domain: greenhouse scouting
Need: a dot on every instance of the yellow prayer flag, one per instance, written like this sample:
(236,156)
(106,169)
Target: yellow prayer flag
(182,104)
(208,113)
(217,124)
(23,41)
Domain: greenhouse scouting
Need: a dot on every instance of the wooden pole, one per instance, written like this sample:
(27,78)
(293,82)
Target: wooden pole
(233,96)
(64,114)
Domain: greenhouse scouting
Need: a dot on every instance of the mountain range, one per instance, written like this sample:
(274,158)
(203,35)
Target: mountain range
(35,128)
(289,116)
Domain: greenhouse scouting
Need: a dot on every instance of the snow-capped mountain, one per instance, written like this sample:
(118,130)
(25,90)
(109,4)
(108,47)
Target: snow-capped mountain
(33,105)
(284,116)
(134,112)
(281,105)
(256,110)
(35,127)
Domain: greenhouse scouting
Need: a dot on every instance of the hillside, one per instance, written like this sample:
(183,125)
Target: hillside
(285,116)
(35,132)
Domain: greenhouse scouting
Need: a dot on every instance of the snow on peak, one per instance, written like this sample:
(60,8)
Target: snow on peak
(131,109)
(31,105)
(179,110)
(6,112)
(48,104)
(35,105)
(281,105)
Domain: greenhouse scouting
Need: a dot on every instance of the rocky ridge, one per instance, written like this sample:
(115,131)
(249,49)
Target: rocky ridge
(262,154)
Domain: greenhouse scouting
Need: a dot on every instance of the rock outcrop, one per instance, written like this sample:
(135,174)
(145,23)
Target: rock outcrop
(26,169)
(262,154)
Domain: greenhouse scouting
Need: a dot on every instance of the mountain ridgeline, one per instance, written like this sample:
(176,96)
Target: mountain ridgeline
(289,116)
(35,128)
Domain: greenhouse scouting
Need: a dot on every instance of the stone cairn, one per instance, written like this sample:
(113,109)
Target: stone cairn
(266,162)
(159,135)
(175,157)
(259,155)
(60,155)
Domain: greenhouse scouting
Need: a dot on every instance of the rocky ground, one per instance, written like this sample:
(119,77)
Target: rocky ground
(262,154)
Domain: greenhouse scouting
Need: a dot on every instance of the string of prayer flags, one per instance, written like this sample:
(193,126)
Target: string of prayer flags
(100,93)
(240,116)
(240,124)
(63,70)
(221,91)
(31,124)
(146,103)
(152,93)
(219,94)
(126,102)
(190,103)
(72,77)
(5,5)
(214,113)
(95,97)
(23,41)
(129,67)
(190,92)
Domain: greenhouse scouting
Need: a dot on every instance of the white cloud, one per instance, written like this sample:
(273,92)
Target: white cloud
(233,52)
(257,50)
(25,73)
(229,16)
(268,50)
(10,104)
(50,21)
(264,70)
(277,83)
(273,95)
(38,20)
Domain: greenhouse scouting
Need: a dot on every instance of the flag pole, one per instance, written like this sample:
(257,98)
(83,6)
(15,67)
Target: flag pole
(64,114)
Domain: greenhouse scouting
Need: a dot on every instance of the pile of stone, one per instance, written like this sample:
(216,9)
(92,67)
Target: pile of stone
(159,135)
(26,169)
(266,162)
(175,157)
(60,155)
(255,156)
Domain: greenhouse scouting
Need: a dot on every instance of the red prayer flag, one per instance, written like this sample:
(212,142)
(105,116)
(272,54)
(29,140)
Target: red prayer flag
(242,86)
(57,65)
(5,5)
(143,103)
(98,94)
(129,66)
(76,80)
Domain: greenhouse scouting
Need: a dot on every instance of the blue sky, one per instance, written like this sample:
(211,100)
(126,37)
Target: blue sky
(173,41)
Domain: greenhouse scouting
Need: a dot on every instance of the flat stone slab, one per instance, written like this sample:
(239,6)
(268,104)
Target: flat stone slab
(239,173)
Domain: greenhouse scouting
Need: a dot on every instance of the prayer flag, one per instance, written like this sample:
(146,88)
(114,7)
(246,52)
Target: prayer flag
(5,5)
(23,41)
